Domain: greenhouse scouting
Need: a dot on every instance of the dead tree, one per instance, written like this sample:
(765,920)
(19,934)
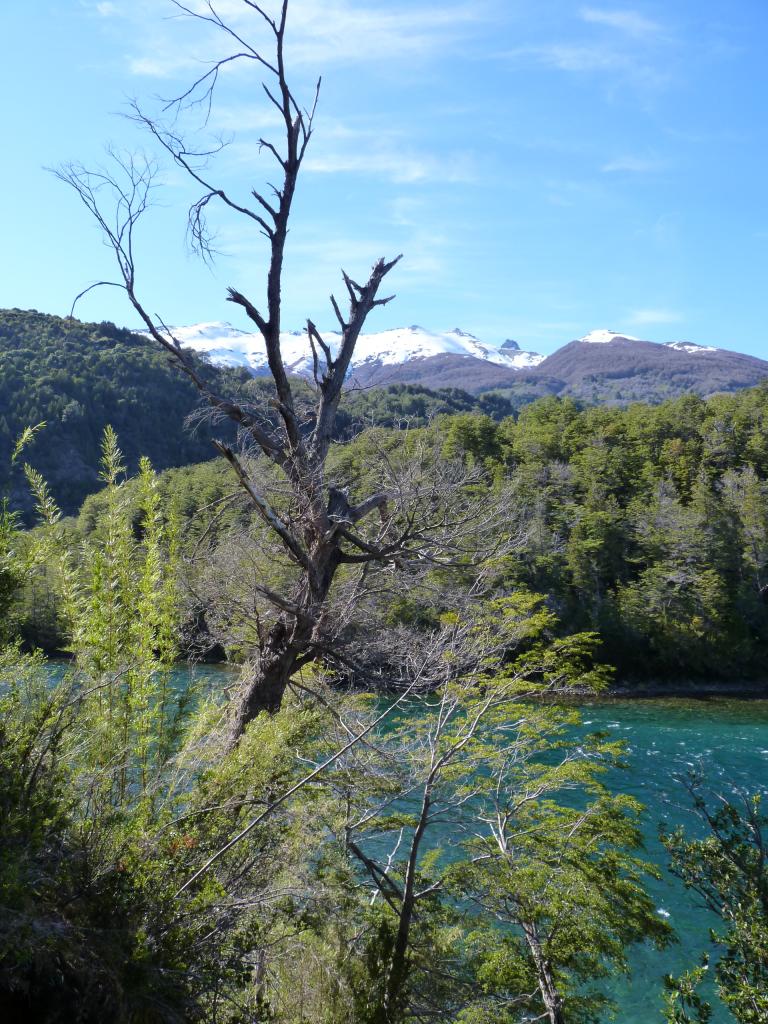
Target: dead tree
(321,529)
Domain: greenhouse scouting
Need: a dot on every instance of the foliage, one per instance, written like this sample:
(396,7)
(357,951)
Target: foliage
(728,869)
(682,997)
(93,927)
(647,524)
(112,789)
(115,792)
(503,878)
(11,576)
(79,378)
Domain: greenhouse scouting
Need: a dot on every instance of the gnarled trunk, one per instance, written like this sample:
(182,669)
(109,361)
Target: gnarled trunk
(288,644)
(265,690)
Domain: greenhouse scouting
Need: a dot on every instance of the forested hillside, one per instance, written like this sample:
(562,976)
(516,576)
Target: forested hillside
(79,377)
(648,525)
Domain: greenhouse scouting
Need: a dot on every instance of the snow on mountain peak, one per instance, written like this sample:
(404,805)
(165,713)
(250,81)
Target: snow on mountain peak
(226,345)
(601,337)
(210,330)
(690,347)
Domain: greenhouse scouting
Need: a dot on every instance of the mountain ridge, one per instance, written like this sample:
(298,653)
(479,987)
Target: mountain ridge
(603,365)
(226,345)
(78,377)
(625,369)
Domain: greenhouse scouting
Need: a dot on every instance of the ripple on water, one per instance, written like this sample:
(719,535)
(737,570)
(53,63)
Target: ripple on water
(728,740)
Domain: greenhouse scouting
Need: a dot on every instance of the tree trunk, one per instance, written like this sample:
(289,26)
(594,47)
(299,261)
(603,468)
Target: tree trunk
(553,1002)
(264,691)
(398,969)
(289,640)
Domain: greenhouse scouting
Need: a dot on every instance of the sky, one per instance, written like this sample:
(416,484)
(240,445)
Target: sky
(546,167)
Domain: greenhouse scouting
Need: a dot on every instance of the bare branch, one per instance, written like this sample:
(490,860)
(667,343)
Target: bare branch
(272,520)
(294,789)
(307,525)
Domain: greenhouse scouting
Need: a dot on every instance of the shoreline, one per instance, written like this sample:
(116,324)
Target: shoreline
(688,689)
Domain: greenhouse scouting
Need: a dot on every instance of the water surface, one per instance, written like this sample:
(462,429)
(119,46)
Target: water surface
(728,740)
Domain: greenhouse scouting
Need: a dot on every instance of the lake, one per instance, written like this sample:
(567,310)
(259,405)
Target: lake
(729,740)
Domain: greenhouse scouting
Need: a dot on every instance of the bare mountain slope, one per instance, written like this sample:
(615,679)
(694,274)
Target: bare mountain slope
(610,367)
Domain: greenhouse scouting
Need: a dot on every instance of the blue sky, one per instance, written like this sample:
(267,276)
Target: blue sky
(546,166)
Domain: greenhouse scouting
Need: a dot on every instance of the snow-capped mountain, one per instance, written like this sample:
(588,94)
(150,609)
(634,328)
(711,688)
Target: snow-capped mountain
(604,365)
(226,345)
(690,347)
(603,336)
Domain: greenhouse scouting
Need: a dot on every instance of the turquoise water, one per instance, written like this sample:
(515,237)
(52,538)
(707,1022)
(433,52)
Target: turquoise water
(729,741)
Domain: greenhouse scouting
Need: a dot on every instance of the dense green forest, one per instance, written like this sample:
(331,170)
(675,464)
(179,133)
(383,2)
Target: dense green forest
(648,525)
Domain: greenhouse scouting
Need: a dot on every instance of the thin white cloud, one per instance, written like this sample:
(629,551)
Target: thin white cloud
(632,165)
(394,165)
(244,118)
(103,8)
(406,211)
(317,256)
(629,53)
(631,22)
(646,317)
(571,57)
(319,34)
(317,253)
(373,149)
(620,64)
(339,31)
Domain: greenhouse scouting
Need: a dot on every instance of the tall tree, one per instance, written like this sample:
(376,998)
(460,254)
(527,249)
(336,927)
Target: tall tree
(318,528)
